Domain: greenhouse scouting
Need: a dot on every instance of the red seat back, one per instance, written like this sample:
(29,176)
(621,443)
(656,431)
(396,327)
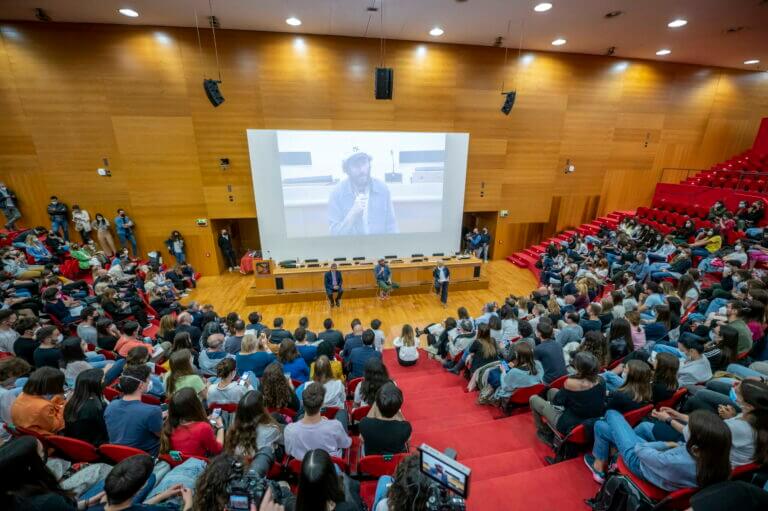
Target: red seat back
(329,412)
(227,407)
(672,401)
(76,451)
(558,383)
(360,412)
(380,465)
(522,395)
(352,385)
(118,453)
(634,417)
(111,393)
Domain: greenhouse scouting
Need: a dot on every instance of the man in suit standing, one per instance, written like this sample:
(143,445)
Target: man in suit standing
(442,275)
(333,281)
(383,277)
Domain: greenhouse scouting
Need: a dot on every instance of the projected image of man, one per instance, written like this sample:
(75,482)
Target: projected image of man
(360,204)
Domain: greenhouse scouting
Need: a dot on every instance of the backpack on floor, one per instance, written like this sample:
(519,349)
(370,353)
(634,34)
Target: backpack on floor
(619,494)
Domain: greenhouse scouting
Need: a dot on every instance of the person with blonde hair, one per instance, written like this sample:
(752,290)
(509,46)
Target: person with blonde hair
(407,347)
(255,355)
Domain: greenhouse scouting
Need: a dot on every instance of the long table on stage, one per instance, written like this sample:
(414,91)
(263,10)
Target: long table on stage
(414,275)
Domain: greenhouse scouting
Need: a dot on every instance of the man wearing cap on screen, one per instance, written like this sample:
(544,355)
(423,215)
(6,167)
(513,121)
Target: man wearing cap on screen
(360,204)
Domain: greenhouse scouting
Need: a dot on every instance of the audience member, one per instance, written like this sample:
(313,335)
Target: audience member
(386,434)
(130,421)
(314,431)
(360,355)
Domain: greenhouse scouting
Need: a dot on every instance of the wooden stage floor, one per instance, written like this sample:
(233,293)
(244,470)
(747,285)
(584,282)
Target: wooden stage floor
(227,294)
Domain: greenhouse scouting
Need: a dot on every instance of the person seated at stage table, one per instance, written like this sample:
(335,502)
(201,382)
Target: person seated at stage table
(359,356)
(278,332)
(383,276)
(333,281)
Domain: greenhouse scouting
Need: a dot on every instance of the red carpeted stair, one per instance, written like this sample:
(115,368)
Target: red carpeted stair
(506,458)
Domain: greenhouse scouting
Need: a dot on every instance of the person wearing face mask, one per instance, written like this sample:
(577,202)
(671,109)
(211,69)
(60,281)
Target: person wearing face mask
(663,251)
(684,233)
(82,221)
(175,245)
(47,353)
(717,210)
(741,214)
(8,204)
(104,235)
(57,211)
(714,264)
(125,227)
(64,308)
(707,243)
(227,250)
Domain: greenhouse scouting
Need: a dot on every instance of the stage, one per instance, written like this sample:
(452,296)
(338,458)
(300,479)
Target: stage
(227,294)
(414,275)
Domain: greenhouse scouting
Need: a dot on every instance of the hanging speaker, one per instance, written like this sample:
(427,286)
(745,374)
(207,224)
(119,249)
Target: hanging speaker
(509,102)
(384,82)
(212,91)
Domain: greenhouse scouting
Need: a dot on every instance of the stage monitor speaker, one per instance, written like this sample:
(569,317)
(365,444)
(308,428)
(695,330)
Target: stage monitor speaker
(476,274)
(279,283)
(390,257)
(358,258)
(417,255)
(384,82)
(212,91)
(438,254)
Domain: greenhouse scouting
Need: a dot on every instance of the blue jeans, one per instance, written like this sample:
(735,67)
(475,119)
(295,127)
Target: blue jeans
(11,215)
(114,372)
(593,240)
(700,252)
(645,431)
(658,275)
(137,499)
(614,429)
(612,380)
(185,474)
(743,372)
(656,258)
(715,305)
(706,266)
(128,237)
(381,489)
(754,232)
(61,225)
(181,257)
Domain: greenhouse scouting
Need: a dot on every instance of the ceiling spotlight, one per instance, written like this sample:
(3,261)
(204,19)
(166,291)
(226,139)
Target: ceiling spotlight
(293,21)
(663,52)
(751,61)
(559,42)
(677,23)
(436,32)
(128,12)
(543,7)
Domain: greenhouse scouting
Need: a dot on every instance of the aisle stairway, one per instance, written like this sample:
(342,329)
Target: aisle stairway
(507,460)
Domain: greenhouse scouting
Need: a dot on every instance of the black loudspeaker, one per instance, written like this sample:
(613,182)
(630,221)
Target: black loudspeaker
(509,102)
(476,274)
(212,91)
(279,283)
(384,82)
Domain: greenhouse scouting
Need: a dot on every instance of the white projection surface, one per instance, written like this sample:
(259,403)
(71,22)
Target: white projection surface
(328,194)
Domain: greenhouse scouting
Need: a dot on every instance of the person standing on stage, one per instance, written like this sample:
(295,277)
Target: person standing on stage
(442,276)
(333,282)
(225,244)
(485,243)
(383,277)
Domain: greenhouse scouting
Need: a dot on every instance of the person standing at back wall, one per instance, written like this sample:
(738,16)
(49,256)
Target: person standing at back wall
(125,226)
(9,206)
(227,250)
(82,221)
(104,235)
(175,245)
(57,211)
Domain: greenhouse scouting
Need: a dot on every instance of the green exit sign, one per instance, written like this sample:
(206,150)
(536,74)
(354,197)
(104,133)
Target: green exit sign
(202,222)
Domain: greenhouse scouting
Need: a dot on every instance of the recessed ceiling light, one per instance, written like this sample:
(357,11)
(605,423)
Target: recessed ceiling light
(543,7)
(677,23)
(436,32)
(751,61)
(128,12)
(559,42)
(293,21)
(663,52)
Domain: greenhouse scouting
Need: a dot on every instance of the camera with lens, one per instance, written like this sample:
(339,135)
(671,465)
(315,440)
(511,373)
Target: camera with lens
(448,479)
(249,486)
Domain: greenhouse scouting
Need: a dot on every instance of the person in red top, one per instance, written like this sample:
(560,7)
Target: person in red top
(727,226)
(129,339)
(188,430)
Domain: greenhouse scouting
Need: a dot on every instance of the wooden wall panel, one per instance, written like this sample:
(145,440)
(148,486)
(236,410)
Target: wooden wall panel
(71,95)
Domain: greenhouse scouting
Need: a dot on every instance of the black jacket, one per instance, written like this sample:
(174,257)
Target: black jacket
(225,244)
(58,211)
